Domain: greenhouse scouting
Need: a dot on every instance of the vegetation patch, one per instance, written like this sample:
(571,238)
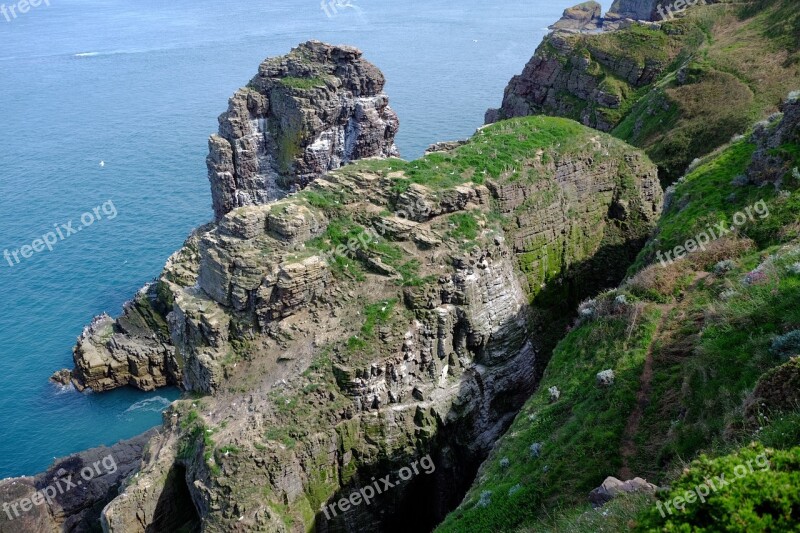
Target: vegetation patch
(759,494)
(557,451)
(302,83)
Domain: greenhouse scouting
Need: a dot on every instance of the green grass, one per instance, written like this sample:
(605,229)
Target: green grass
(638,44)
(302,83)
(616,515)
(719,351)
(342,241)
(495,151)
(464,226)
(761,494)
(377,314)
(580,433)
(707,197)
(281,434)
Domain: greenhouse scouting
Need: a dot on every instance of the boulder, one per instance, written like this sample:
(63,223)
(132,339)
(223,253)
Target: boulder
(582,17)
(613,487)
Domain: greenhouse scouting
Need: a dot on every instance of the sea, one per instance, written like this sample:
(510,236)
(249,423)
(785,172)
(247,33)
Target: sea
(105,111)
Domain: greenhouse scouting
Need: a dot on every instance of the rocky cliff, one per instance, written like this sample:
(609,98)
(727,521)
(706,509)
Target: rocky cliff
(580,18)
(677,86)
(637,9)
(73,491)
(589,76)
(681,374)
(304,114)
(390,311)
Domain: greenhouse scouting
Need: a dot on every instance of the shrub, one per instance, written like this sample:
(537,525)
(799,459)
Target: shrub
(486,498)
(755,277)
(760,495)
(777,391)
(723,267)
(721,250)
(787,345)
(661,283)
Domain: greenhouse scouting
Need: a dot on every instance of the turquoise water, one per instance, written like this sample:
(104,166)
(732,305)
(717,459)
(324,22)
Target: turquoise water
(138,85)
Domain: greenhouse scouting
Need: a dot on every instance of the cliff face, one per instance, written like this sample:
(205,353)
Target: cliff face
(304,114)
(685,361)
(588,77)
(389,311)
(636,9)
(677,86)
(69,501)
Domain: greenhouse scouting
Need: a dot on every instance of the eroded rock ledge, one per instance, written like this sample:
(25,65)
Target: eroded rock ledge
(72,508)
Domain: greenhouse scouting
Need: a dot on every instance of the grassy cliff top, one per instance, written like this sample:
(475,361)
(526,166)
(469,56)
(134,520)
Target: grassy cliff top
(700,349)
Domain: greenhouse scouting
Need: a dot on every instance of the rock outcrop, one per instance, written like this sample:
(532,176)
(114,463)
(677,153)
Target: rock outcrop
(379,316)
(304,114)
(613,487)
(638,9)
(585,77)
(770,164)
(580,18)
(136,349)
(73,491)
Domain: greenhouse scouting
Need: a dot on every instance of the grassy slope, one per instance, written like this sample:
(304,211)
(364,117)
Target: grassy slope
(745,62)
(583,427)
(712,345)
(727,65)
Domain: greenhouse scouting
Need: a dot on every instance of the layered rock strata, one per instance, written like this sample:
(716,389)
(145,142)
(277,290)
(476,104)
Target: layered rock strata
(379,316)
(304,114)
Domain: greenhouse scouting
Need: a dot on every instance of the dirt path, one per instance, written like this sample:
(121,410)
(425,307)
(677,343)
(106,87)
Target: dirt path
(628,447)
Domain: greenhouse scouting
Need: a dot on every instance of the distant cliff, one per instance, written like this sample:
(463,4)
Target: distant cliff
(677,84)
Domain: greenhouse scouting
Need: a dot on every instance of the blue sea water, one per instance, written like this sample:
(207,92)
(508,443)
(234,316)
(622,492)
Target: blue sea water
(138,85)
